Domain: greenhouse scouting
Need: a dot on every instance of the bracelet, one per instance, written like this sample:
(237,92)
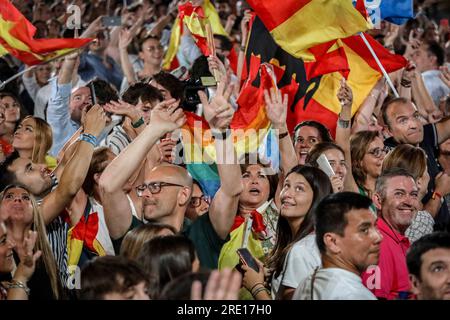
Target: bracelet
(254,294)
(138,123)
(87,137)
(242,48)
(221,135)
(283,135)
(436,195)
(14,284)
(405,83)
(343,123)
(257,284)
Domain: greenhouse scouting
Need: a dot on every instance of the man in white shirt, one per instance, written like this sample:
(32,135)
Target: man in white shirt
(349,242)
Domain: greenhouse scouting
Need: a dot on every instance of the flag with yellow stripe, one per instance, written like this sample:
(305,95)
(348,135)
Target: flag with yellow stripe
(297,25)
(195,19)
(16,38)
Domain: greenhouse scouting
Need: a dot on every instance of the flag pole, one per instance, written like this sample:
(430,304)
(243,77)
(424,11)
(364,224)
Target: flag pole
(4,83)
(385,74)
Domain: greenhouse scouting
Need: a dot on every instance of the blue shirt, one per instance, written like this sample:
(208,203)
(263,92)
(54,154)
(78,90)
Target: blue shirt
(92,66)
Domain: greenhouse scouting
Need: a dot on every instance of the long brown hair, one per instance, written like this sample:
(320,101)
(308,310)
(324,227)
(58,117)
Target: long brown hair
(41,242)
(43,138)
(359,145)
(408,157)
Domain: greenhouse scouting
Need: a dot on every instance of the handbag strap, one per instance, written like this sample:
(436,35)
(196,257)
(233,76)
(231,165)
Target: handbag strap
(313,278)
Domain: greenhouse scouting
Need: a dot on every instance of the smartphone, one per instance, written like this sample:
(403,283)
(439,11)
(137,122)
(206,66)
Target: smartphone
(324,165)
(246,258)
(112,21)
(93,95)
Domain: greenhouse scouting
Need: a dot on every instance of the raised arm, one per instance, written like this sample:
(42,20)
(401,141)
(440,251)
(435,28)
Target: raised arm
(244,31)
(219,113)
(367,108)
(276,109)
(165,118)
(125,38)
(343,132)
(76,168)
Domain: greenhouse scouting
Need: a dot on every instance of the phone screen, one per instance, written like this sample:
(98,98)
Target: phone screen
(246,257)
(112,21)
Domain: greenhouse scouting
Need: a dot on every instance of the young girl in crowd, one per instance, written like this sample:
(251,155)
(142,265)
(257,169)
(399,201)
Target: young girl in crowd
(12,111)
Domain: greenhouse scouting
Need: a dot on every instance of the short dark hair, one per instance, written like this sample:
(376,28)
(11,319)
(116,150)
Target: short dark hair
(325,135)
(331,214)
(108,274)
(147,37)
(104,91)
(8,177)
(386,175)
(143,91)
(171,83)
(387,104)
(421,246)
(435,49)
(225,43)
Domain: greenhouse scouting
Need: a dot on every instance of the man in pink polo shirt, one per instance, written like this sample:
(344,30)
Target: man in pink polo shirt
(396,198)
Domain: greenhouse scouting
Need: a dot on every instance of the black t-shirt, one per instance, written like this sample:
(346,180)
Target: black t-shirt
(431,147)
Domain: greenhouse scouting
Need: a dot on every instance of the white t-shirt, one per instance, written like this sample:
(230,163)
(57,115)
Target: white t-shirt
(302,260)
(333,284)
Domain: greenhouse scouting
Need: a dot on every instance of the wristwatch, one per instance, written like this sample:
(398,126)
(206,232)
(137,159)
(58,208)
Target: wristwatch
(343,123)
(138,123)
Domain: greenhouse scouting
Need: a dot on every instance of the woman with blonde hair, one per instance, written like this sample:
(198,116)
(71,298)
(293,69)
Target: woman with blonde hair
(136,238)
(414,160)
(19,210)
(33,139)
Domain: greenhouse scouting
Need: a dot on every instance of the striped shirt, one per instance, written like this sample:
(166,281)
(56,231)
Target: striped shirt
(117,140)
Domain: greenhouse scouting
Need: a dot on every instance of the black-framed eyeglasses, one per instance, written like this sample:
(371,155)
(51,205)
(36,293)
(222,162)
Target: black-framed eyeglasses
(154,187)
(379,152)
(197,201)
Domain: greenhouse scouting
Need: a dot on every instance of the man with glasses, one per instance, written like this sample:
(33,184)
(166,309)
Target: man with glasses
(167,189)
(402,121)
(397,199)
(199,204)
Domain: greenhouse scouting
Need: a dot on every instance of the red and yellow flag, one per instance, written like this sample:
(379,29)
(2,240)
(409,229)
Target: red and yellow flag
(297,25)
(195,19)
(315,83)
(16,38)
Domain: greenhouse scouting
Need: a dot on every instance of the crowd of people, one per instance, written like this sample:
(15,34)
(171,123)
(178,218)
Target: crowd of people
(95,202)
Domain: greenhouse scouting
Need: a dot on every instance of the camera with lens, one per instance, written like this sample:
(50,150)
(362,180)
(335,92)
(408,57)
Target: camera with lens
(191,88)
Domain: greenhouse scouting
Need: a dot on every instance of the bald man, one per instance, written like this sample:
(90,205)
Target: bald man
(167,189)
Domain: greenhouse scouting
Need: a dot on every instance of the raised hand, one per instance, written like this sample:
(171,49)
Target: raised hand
(124,109)
(445,75)
(125,38)
(167,117)
(222,285)
(28,259)
(219,111)
(94,120)
(214,63)
(276,107)
(345,95)
(337,183)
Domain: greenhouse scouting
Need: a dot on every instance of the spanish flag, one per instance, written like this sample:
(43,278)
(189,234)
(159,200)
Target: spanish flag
(297,25)
(318,81)
(195,19)
(16,38)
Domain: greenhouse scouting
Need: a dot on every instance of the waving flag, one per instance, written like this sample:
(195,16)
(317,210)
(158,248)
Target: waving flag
(194,18)
(315,84)
(395,11)
(16,38)
(297,25)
